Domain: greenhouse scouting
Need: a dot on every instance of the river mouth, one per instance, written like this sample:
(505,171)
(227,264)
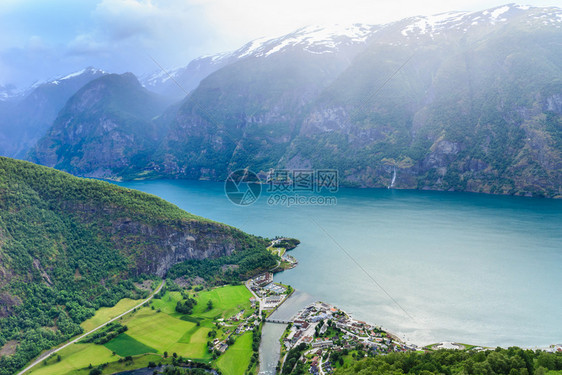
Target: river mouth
(270,346)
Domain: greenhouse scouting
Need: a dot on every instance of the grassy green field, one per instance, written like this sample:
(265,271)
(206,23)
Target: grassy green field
(138,362)
(236,359)
(151,333)
(167,304)
(106,313)
(74,357)
(162,332)
(125,345)
(227,301)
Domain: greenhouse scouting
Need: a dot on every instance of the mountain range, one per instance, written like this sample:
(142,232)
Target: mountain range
(463,101)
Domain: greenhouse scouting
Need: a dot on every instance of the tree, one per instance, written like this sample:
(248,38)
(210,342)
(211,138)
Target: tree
(209,305)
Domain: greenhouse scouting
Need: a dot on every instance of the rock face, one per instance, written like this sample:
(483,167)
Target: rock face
(171,245)
(104,129)
(460,101)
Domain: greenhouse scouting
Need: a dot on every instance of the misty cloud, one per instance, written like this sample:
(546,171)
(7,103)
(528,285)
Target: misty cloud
(42,40)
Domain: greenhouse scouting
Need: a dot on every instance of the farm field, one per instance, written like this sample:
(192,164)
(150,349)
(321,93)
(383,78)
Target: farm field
(75,357)
(227,301)
(124,345)
(167,304)
(157,329)
(106,313)
(236,359)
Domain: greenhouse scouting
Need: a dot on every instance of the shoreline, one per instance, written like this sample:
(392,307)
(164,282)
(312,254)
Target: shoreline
(421,346)
(277,269)
(121,180)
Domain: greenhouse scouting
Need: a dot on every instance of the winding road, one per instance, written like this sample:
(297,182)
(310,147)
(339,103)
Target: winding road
(48,353)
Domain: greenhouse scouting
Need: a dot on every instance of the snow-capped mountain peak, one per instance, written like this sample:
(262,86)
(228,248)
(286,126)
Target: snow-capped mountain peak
(322,39)
(463,21)
(314,39)
(89,70)
(430,24)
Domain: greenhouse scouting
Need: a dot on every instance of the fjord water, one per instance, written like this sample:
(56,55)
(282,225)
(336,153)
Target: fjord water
(479,269)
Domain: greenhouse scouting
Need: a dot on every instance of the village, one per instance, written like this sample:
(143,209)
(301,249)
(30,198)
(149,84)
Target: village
(329,333)
(327,330)
(323,328)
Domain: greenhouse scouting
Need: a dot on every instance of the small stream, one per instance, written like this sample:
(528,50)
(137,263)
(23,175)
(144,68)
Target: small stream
(270,347)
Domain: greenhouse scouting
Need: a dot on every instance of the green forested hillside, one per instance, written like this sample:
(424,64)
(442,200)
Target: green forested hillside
(500,361)
(69,246)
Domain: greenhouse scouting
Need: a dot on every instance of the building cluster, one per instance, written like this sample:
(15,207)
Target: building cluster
(220,345)
(243,324)
(268,293)
(260,281)
(324,327)
(554,348)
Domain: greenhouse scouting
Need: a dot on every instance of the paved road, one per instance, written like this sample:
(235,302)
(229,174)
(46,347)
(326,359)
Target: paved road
(260,302)
(52,351)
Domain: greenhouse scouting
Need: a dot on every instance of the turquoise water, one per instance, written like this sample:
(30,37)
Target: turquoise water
(470,268)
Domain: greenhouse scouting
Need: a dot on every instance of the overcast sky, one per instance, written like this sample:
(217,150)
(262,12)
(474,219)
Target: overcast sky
(43,39)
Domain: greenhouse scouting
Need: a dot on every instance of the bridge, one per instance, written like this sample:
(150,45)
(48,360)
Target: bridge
(277,321)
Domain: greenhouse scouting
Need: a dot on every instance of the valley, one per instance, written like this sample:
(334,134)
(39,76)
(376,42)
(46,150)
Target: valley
(349,187)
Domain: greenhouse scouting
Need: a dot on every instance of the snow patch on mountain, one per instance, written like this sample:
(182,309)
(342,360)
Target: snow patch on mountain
(434,25)
(498,12)
(251,47)
(318,39)
(89,70)
(314,39)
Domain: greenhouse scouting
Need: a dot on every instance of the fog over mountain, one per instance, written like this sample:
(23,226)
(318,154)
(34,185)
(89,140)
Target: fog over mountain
(465,101)
(26,115)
